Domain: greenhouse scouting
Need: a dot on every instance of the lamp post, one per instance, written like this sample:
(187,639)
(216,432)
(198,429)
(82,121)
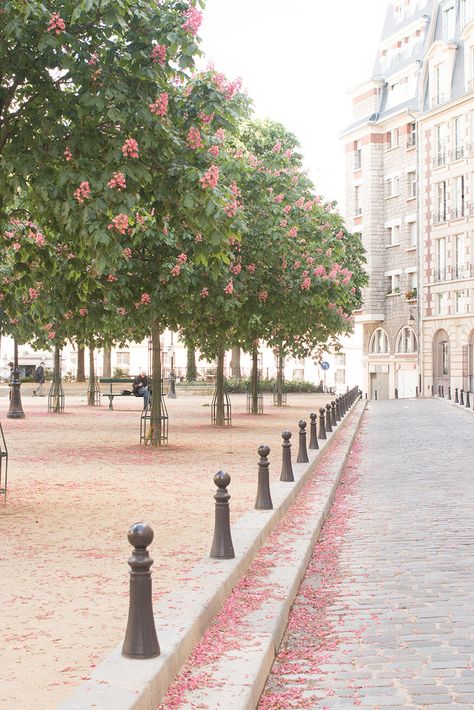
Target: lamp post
(172,389)
(16,410)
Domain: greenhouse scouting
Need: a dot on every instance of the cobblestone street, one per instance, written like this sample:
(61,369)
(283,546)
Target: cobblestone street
(384,615)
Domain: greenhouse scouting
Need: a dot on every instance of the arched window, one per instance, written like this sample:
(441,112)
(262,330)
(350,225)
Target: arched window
(378,342)
(406,341)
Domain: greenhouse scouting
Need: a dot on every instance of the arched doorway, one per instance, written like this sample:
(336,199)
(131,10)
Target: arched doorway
(378,369)
(441,360)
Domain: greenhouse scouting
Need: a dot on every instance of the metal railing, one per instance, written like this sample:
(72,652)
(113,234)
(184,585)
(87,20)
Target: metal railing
(439,217)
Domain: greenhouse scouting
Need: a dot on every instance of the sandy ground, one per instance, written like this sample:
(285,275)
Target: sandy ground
(77,481)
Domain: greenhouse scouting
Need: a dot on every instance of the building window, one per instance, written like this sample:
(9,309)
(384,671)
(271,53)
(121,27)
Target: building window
(459,257)
(393,186)
(449,20)
(393,284)
(357,206)
(378,342)
(440,215)
(442,299)
(122,361)
(458,152)
(340,359)
(340,377)
(412,281)
(461,302)
(413,234)
(441,259)
(411,184)
(411,141)
(357,156)
(441,145)
(458,195)
(406,341)
(393,235)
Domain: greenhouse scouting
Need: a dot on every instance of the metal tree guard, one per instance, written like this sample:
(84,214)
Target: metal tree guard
(145,422)
(280,398)
(93,394)
(250,396)
(3,465)
(56,396)
(224,408)
(16,410)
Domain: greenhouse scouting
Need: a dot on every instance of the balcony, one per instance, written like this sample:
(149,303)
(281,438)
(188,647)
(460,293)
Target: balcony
(437,100)
(458,153)
(453,273)
(457,212)
(358,212)
(439,217)
(440,159)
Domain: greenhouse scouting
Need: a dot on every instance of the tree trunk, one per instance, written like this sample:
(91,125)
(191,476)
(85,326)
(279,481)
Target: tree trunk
(56,388)
(107,367)
(235,363)
(91,388)
(81,370)
(191,369)
(155,421)
(279,380)
(254,383)
(220,415)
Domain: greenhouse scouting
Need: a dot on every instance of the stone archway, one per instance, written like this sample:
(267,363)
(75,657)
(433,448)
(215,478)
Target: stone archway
(441,360)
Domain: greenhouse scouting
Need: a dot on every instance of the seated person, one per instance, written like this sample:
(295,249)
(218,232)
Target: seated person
(140,388)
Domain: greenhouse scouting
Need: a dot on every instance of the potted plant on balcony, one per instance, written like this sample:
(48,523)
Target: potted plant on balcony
(411,294)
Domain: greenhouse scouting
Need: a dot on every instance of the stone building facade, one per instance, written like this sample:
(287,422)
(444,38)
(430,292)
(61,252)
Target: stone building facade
(409,182)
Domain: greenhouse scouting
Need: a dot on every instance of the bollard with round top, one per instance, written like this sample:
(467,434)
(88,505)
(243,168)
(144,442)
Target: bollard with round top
(468,399)
(313,439)
(456,396)
(302,451)
(328,417)
(449,392)
(338,409)
(140,637)
(376,396)
(461,398)
(322,424)
(264,498)
(286,467)
(333,415)
(222,547)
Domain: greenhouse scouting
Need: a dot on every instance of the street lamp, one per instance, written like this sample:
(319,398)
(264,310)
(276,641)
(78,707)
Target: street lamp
(16,410)
(172,389)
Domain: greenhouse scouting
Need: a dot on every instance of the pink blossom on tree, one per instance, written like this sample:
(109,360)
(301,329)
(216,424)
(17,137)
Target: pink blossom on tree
(130,148)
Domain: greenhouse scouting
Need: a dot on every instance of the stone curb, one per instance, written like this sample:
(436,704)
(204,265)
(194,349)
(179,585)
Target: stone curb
(242,672)
(183,615)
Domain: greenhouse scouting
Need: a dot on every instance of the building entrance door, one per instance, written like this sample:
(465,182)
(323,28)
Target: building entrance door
(379,384)
(407,382)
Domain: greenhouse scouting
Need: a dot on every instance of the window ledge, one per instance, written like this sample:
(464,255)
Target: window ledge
(390,246)
(390,197)
(412,249)
(394,293)
(411,199)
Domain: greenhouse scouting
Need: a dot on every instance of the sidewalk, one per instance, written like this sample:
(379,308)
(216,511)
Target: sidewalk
(384,615)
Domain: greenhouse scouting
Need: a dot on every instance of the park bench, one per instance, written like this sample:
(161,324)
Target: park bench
(111,381)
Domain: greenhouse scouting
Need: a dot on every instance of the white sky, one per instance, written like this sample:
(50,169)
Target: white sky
(298,59)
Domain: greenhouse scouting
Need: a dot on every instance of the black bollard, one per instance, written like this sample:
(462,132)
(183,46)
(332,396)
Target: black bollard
(264,498)
(456,396)
(302,451)
(322,425)
(338,409)
(222,547)
(416,393)
(313,439)
(461,398)
(449,392)
(432,390)
(328,418)
(396,393)
(286,467)
(366,395)
(468,399)
(140,637)
(375,395)
(333,415)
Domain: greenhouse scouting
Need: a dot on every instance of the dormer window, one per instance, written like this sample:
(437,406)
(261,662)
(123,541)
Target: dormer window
(449,21)
(466,11)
